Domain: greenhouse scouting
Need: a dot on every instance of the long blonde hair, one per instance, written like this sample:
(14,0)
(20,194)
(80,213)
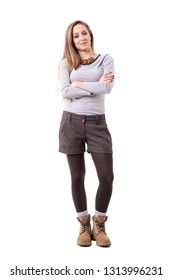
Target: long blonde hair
(70,51)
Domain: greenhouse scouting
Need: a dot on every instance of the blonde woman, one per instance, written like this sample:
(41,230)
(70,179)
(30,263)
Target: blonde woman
(85,77)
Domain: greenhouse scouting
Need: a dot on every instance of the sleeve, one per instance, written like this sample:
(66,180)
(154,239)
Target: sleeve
(102,87)
(65,88)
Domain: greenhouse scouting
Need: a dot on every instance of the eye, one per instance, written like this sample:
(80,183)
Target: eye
(85,33)
(75,36)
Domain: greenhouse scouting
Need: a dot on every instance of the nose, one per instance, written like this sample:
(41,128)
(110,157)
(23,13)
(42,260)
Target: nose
(82,37)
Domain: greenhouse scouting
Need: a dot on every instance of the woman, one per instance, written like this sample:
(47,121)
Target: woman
(84,79)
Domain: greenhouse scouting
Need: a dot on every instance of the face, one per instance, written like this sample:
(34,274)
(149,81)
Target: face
(81,37)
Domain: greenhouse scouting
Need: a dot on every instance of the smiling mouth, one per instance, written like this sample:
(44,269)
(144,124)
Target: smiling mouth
(83,43)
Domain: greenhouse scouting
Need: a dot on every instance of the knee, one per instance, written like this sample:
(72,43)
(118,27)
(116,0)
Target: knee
(78,177)
(110,179)
(107,180)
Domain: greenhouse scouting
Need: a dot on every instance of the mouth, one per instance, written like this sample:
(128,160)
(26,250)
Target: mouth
(83,43)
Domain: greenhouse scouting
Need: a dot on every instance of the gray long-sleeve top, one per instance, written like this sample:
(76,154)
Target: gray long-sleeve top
(91,98)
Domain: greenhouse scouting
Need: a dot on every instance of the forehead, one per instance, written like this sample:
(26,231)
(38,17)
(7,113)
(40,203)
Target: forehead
(79,28)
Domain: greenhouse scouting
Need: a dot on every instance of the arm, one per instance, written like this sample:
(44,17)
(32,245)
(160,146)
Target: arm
(106,81)
(66,88)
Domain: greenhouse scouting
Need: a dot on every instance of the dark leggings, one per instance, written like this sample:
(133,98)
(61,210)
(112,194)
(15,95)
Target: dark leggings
(104,167)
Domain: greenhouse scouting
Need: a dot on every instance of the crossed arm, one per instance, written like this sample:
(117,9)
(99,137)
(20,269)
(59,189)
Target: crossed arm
(77,89)
(107,77)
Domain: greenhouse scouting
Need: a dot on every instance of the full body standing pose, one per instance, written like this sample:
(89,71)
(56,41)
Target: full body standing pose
(84,79)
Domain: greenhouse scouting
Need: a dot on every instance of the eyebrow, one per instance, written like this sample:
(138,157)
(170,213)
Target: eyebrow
(79,32)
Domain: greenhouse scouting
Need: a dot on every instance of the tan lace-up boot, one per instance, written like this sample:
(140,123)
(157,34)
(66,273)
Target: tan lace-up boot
(84,238)
(99,232)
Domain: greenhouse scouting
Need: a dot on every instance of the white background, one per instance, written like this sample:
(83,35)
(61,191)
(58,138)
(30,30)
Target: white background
(38,221)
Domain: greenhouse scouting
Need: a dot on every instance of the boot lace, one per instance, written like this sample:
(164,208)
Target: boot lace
(84,227)
(100,227)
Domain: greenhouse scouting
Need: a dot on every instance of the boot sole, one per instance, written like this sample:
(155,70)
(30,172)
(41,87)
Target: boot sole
(103,245)
(100,244)
(84,245)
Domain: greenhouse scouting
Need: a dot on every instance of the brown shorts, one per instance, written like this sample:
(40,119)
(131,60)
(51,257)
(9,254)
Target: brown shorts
(77,131)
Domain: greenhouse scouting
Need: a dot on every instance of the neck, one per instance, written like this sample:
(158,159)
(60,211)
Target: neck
(86,55)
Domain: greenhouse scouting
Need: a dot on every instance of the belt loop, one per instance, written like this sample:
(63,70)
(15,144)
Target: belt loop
(83,119)
(70,117)
(97,120)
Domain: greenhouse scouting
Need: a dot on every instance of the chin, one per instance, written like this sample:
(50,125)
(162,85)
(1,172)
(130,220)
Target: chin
(84,48)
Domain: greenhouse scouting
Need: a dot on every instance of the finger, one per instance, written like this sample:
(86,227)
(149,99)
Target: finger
(109,75)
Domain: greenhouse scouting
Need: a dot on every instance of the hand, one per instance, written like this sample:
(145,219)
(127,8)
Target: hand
(107,77)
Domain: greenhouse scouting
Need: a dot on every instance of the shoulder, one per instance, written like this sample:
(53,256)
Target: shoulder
(63,62)
(106,59)
(63,65)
